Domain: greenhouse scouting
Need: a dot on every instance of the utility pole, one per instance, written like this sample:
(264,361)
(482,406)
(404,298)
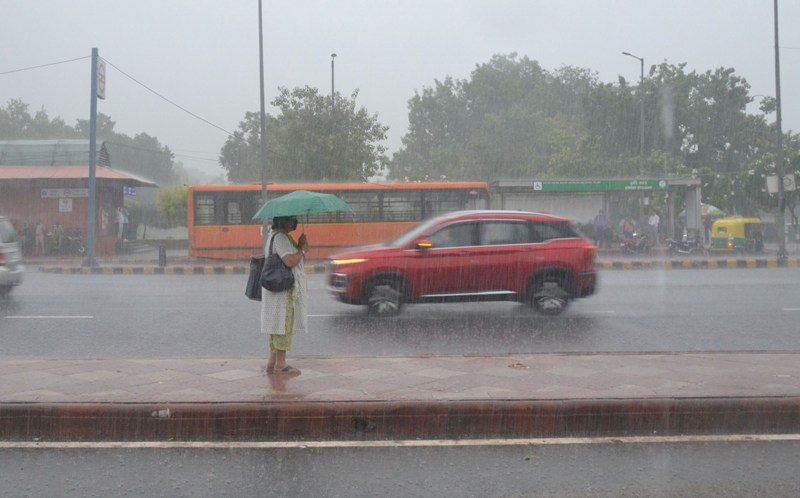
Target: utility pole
(263,135)
(779,156)
(92,201)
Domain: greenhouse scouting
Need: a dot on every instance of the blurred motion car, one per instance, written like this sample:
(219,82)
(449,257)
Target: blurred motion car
(533,258)
(11,268)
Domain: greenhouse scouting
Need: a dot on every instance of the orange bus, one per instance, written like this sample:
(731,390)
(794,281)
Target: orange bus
(221,226)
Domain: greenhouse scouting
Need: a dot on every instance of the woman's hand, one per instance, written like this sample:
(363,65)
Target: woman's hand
(303,243)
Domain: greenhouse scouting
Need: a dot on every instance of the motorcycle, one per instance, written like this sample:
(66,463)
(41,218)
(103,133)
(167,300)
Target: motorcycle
(67,243)
(687,246)
(635,244)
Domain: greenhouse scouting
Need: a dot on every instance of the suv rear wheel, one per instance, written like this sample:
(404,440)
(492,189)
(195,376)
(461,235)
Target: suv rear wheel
(548,293)
(384,296)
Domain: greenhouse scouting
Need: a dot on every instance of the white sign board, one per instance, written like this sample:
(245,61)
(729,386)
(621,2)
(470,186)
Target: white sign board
(788,183)
(51,193)
(101,79)
(65,205)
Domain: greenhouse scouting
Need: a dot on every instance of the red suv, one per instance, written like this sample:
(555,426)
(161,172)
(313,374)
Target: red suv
(532,258)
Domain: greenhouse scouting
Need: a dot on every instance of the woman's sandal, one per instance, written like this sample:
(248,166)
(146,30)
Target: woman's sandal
(287,370)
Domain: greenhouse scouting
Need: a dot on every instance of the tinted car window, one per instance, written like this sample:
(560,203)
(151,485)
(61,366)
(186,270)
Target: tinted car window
(549,230)
(457,235)
(505,232)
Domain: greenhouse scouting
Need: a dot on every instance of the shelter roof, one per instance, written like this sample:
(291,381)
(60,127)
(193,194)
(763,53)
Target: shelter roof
(11,173)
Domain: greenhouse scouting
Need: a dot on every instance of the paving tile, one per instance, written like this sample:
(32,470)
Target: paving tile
(234,374)
(469,377)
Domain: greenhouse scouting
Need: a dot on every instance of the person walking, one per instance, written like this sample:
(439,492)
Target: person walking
(285,313)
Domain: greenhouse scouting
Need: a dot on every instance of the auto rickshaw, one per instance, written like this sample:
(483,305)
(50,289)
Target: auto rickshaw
(741,235)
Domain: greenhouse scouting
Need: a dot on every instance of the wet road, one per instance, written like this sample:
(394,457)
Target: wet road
(555,468)
(642,310)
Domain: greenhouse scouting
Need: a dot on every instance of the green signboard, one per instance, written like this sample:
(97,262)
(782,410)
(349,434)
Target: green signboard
(597,185)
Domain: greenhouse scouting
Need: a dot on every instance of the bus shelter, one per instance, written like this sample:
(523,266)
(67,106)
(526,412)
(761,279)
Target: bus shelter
(581,200)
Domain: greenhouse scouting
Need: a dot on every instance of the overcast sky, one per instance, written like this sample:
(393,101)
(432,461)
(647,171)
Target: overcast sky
(203,55)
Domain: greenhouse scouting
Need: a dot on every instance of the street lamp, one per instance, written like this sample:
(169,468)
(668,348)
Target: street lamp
(333,95)
(641,111)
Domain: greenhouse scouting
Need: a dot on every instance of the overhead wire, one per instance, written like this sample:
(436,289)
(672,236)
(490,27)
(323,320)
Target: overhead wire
(44,65)
(154,92)
(187,111)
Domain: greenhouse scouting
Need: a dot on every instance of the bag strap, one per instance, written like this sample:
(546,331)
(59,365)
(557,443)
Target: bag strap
(271,241)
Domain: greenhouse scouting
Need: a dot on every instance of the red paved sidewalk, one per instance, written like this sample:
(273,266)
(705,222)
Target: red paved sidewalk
(530,395)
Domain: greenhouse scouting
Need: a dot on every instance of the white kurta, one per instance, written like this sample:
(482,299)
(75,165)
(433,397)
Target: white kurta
(273,304)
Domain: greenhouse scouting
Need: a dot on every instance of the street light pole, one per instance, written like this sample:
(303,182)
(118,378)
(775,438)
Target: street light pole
(641,111)
(263,141)
(333,95)
(641,124)
(779,156)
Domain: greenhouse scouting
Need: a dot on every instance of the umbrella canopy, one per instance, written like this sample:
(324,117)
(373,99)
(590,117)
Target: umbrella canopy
(707,210)
(301,202)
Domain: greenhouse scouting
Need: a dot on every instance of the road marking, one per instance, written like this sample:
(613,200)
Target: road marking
(791,309)
(435,443)
(38,317)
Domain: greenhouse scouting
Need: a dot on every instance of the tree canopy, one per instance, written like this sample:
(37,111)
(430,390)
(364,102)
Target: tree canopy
(513,119)
(309,140)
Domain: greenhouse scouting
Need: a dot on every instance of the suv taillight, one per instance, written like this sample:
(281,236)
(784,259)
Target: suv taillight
(2,257)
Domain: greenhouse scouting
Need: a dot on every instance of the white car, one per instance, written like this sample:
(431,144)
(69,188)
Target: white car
(11,268)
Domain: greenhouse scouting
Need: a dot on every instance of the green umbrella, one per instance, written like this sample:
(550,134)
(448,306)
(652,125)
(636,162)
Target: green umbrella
(301,202)
(707,210)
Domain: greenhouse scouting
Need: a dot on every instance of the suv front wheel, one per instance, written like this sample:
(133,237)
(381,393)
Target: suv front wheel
(384,296)
(548,293)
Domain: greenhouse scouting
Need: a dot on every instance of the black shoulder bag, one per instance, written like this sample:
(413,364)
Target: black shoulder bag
(276,276)
(253,289)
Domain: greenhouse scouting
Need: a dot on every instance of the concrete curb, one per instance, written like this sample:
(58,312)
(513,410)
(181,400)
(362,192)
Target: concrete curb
(138,268)
(381,420)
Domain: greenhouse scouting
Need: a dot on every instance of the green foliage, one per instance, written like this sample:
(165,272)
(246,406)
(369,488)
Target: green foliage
(16,123)
(141,155)
(171,204)
(308,141)
(514,120)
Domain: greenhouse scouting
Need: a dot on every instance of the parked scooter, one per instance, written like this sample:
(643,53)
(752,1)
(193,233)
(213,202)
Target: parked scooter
(635,244)
(689,245)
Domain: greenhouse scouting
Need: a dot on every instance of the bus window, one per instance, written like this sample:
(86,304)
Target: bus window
(204,209)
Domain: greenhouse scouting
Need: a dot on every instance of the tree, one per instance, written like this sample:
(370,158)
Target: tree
(16,123)
(171,205)
(307,142)
(511,119)
(514,120)
(141,155)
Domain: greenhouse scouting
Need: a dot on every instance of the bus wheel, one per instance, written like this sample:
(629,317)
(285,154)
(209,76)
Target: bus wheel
(385,297)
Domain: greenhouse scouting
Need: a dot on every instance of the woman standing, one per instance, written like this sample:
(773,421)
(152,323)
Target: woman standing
(284,313)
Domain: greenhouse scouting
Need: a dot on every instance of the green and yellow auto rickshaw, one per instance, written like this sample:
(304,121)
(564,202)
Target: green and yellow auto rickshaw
(737,235)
